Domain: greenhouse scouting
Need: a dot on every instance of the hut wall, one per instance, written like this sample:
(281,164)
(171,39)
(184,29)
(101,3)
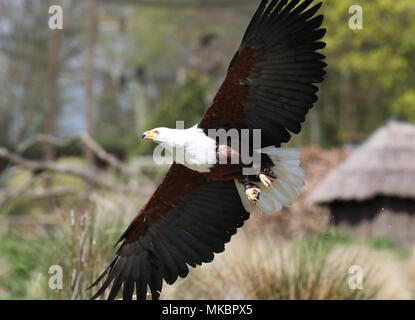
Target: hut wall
(391,217)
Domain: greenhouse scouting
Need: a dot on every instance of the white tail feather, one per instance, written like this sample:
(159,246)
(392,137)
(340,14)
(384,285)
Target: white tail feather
(283,190)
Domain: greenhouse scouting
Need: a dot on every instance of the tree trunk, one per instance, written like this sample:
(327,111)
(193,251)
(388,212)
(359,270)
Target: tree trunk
(92,11)
(52,92)
(52,99)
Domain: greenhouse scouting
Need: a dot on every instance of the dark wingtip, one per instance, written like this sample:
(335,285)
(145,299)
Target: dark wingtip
(100,277)
(121,238)
(124,234)
(118,241)
(97,280)
(255,19)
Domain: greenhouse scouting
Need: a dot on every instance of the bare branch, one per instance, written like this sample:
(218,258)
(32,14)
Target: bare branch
(87,173)
(31,188)
(105,156)
(88,141)
(8,194)
(68,191)
(40,193)
(43,138)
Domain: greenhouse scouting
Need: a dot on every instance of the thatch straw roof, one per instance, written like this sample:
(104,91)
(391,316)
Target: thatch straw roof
(383,165)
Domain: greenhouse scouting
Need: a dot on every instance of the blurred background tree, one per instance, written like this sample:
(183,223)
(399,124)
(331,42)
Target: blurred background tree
(371,73)
(143,53)
(120,67)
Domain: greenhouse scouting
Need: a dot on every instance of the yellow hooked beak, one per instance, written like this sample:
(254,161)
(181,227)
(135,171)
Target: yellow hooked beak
(150,135)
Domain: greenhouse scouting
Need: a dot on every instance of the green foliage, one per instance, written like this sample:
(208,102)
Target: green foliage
(254,266)
(404,105)
(25,256)
(370,71)
(76,251)
(21,205)
(72,245)
(332,236)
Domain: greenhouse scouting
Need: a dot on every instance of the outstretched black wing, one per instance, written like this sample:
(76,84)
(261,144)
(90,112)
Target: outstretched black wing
(180,225)
(270,83)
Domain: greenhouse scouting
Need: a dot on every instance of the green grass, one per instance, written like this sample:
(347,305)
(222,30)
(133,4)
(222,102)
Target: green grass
(24,258)
(330,237)
(253,266)
(82,244)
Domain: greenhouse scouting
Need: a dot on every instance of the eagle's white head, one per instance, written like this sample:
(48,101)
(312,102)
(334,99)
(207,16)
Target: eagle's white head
(154,134)
(167,136)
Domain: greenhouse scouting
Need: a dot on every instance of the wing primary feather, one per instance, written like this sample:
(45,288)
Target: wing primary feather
(168,262)
(156,277)
(302,6)
(128,279)
(311,12)
(141,287)
(254,20)
(114,270)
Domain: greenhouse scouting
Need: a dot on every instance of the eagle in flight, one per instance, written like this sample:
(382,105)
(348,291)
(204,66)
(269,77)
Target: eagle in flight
(208,193)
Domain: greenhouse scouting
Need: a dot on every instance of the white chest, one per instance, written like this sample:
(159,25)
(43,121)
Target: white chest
(193,149)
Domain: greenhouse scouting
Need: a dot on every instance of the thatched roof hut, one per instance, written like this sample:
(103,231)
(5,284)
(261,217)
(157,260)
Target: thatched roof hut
(373,190)
(383,165)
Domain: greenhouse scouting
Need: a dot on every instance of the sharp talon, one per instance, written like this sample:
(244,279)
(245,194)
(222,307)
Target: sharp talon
(268,172)
(253,194)
(266,181)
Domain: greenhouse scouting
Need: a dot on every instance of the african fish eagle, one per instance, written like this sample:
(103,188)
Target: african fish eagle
(201,202)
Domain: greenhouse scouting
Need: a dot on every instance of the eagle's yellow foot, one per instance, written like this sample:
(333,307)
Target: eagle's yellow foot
(266,180)
(253,194)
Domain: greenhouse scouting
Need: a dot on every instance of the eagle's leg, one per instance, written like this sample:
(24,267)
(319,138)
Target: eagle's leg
(266,176)
(251,189)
